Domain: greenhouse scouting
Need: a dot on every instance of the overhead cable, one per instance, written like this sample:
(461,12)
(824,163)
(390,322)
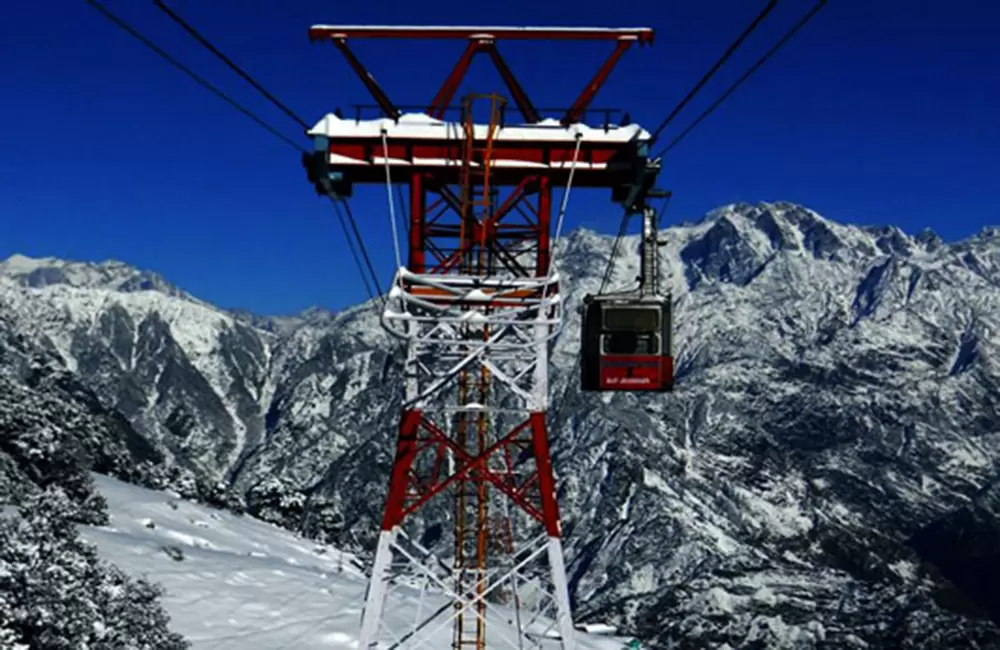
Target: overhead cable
(229,62)
(614,250)
(350,245)
(339,202)
(746,75)
(132,31)
(715,68)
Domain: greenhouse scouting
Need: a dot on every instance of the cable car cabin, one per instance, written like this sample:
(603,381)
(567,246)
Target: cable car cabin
(627,344)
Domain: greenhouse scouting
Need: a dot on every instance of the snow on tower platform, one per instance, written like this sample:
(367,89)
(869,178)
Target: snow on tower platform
(417,142)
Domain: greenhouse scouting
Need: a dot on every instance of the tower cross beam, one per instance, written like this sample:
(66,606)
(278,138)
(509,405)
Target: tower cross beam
(474,464)
(496,235)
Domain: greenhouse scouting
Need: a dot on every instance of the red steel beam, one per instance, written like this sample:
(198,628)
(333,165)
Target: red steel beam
(514,198)
(452,82)
(494,231)
(575,112)
(362,148)
(367,79)
(544,255)
(469,464)
(642,34)
(484,39)
(418,222)
(524,104)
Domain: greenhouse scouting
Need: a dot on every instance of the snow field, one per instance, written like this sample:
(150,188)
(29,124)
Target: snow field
(243,584)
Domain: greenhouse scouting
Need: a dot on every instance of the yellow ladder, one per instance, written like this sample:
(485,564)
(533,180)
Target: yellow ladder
(477,166)
(472,520)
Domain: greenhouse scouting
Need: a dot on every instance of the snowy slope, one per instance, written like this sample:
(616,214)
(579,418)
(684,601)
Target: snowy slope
(242,584)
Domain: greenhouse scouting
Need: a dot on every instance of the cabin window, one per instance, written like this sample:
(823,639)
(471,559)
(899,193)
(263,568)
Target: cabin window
(631,319)
(630,343)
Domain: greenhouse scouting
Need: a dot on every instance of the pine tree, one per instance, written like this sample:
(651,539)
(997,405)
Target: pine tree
(56,594)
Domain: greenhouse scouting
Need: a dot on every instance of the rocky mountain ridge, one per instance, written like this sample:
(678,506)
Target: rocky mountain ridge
(837,400)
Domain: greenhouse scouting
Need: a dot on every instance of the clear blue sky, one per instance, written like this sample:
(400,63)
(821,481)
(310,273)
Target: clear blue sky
(879,111)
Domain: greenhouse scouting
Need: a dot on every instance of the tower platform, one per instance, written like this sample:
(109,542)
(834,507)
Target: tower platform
(417,142)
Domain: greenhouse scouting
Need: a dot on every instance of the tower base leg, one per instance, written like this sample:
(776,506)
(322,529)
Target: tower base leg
(378,587)
(560,588)
(412,602)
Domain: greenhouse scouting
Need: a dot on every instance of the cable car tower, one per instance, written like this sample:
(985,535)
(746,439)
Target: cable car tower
(476,302)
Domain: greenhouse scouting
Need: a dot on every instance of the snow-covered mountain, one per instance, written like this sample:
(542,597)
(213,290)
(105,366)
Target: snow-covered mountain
(113,275)
(835,425)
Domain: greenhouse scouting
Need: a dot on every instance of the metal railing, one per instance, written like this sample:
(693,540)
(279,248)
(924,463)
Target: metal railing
(373,111)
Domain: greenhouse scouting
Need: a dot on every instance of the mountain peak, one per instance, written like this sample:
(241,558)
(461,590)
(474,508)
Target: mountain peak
(989,232)
(19,264)
(110,274)
(929,239)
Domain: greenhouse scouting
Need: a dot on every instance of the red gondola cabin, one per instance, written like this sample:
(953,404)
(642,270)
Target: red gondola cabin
(627,344)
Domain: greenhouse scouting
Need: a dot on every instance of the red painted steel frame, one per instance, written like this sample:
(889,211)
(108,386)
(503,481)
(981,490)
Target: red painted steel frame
(575,113)
(367,79)
(430,252)
(450,86)
(483,39)
(643,34)
(408,491)
(365,150)
(434,241)
(436,247)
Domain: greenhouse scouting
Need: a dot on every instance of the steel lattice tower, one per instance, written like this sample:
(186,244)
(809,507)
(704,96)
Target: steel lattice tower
(477,304)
